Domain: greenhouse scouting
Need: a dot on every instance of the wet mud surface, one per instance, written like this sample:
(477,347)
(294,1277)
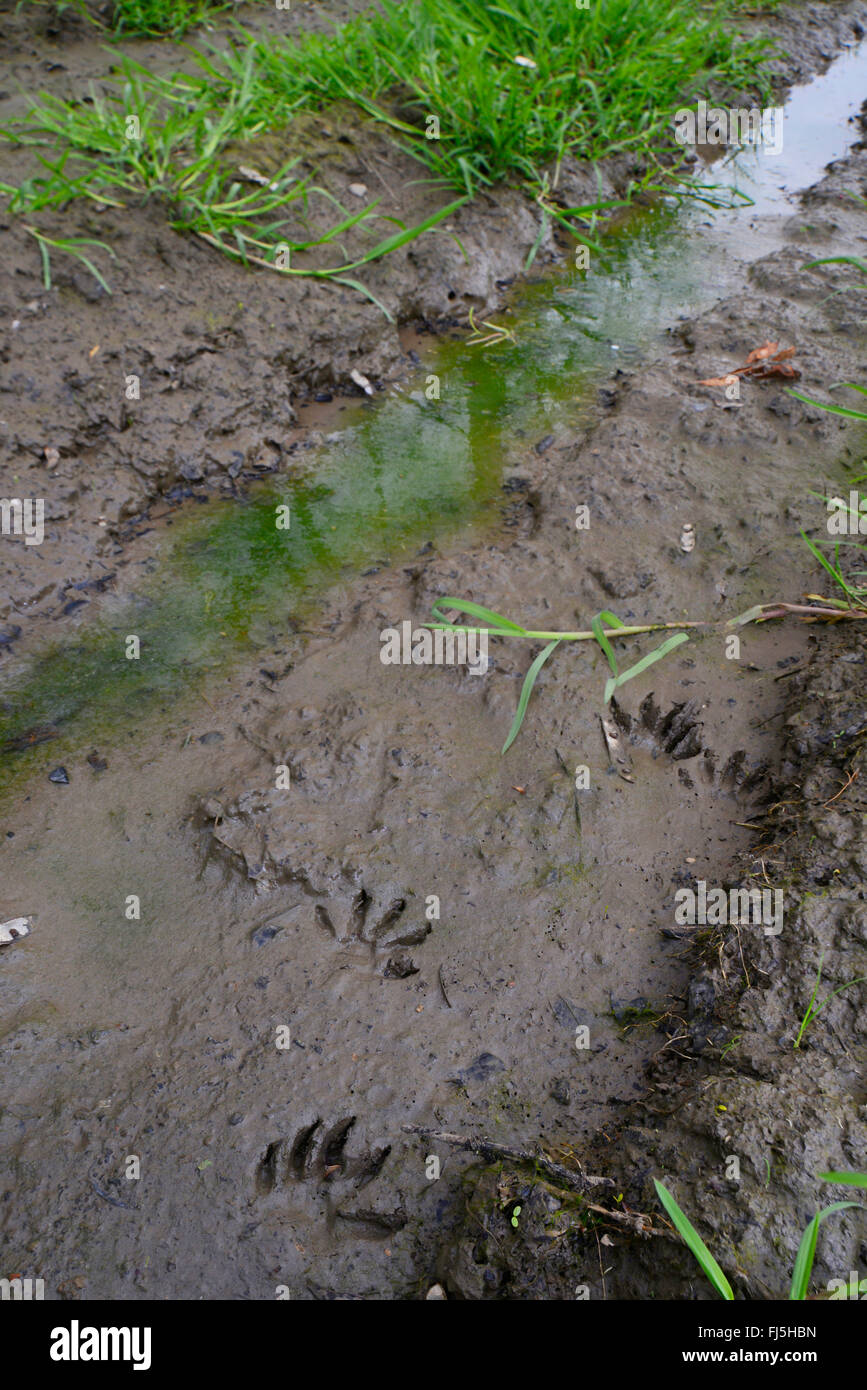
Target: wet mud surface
(226,359)
(355,915)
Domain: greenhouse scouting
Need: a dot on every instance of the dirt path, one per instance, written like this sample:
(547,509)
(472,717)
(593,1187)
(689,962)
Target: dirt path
(430,922)
(224,359)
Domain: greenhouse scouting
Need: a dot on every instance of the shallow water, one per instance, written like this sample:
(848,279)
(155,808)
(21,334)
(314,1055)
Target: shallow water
(411,468)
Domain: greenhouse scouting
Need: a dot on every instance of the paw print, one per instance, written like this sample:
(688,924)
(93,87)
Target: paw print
(318,1155)
(381,932)
(679,734)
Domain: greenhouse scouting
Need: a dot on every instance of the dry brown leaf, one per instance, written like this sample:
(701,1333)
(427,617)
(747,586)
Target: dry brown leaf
(760,353)
(775,368)
(762,362)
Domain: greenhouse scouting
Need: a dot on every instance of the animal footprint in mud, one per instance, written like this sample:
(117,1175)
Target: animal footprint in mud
(318,1155)
(679,734)
(383,934)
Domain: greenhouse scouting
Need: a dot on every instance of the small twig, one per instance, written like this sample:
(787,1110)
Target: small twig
(845,787)
(636,1221)
(443,987)
(485,1148)
(115,1201)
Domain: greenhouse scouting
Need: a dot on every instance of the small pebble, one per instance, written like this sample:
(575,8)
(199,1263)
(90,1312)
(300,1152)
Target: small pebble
(60,776)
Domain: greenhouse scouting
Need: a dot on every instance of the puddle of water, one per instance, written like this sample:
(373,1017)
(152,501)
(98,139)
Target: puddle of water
(411,469)
(817,129)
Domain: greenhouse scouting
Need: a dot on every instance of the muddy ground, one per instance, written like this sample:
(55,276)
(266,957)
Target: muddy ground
(225,359)
(311,908)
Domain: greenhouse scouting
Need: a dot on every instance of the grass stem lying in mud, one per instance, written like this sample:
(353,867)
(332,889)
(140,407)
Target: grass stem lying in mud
(499,626)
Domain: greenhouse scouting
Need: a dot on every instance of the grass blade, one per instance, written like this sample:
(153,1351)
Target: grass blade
(835,572)
(695,1243)
(526,691)
(667,646)
(475,610)
(851,1179)
(362,289)
(839,260)
(807,1252)
(598,632)
(824,405)
(407,234)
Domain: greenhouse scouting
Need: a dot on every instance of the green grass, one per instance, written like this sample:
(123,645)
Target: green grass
(598,632)
(602,81)
(164,17)
(589,84)
(694,1242)
(496,625)
(804,1259)
(143,18)
(829,553)
(836,556)
(813,1008)
(143,143)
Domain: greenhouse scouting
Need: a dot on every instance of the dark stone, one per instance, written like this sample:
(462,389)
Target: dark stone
(264,934)
(399,967)
(483,1068)
(560,1090)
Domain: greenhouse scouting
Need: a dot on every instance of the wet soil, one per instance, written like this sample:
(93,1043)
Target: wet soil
(414,930)
(225,359)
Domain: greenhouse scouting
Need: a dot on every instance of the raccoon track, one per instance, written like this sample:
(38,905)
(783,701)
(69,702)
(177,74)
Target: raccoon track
(319,1156)
(379,934)
(679,734)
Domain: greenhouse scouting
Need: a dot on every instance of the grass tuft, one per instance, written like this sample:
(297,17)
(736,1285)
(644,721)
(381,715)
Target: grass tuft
(442,75)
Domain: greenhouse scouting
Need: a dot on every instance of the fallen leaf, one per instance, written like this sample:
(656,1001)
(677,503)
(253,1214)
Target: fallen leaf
(762,362)
(760,353)
(775,368)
